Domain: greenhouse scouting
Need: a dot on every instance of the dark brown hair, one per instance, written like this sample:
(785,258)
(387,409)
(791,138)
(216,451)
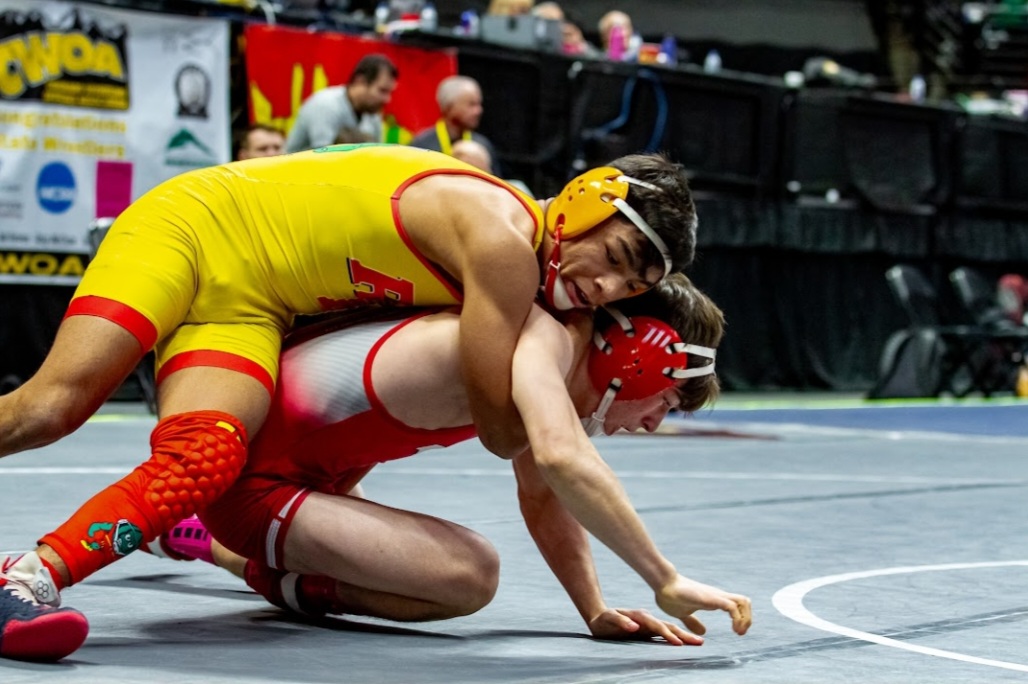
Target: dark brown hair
(243,141)
(669,210)
(370,67)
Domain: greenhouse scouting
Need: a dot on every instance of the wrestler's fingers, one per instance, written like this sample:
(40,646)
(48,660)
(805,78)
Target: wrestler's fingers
(654,627)
(673,634)
(628,625)
(741,610)
(693,624)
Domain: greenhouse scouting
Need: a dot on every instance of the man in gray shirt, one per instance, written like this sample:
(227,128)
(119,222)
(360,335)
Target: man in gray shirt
(357,105)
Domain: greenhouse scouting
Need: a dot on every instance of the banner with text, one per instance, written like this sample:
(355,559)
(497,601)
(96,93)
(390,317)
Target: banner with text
(284,66)
(97,106)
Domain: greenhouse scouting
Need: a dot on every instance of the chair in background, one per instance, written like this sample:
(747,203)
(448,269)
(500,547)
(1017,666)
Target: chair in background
(958,359)
(978,296)
(915,295)
(1007,340)
(144,371)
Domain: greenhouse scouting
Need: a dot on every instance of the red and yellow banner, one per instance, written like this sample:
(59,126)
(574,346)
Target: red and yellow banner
(284,66)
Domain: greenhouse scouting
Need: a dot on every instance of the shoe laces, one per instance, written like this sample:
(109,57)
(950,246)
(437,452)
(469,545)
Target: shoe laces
(31,583)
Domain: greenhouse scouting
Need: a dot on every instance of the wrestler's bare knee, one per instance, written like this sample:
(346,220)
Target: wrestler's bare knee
(475,578)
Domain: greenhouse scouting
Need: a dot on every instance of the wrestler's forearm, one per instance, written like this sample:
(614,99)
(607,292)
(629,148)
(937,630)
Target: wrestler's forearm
(567,460)
(589,490)
(486,352)
(561,540)
(582,481)
(492,317)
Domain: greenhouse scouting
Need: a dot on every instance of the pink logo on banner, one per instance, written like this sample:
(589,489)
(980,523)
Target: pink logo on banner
(113,187)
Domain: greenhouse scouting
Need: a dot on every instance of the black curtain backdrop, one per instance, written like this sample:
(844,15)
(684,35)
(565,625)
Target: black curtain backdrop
(792,326)
(30,315)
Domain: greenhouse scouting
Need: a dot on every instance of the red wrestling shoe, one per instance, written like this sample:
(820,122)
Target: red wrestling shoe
(33,626)
(307,594)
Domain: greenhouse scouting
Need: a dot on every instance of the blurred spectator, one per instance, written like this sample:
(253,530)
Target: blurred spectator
(632,42)
(348,135)
(572,40)
(548,10)
(1012,294)
(358,104)
(574,43)
(460,107)
(509,7)
(476,154)
(899,27)
(260,140)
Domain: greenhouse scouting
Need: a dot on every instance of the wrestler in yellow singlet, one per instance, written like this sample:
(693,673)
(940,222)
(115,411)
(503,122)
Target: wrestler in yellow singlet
(212,265)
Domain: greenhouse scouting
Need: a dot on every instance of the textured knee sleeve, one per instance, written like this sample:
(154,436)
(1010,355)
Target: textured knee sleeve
(196,457)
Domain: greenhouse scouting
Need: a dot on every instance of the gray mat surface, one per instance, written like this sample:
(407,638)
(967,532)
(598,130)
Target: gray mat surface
(870,556)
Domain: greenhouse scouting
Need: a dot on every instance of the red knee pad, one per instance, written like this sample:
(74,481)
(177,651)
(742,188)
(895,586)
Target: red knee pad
(196,457)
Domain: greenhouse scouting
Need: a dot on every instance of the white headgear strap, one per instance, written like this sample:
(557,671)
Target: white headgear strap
(640,223)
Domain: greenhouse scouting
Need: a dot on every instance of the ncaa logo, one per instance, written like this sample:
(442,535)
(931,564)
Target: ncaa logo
(55,188)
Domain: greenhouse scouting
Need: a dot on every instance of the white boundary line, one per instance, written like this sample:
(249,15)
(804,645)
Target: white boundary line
(715,475)
(75,470)
(808,430)
(789,602)
(758,427)
(624,474)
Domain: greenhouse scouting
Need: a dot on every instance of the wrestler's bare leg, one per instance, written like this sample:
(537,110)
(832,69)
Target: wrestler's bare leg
(89,359)
(228,391)
(388,563)
(228,560)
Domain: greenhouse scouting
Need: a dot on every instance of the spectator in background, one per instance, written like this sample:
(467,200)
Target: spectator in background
(632,42)
(358,104)
(1012,295)
(261,140)
(572,41)
(476,154)
(460,108)
(471,152)
(548,10)
(510,7)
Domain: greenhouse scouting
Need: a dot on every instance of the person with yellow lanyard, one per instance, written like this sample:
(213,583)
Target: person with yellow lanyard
(460,108)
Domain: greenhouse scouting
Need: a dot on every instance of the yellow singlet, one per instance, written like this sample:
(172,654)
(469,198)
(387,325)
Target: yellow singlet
(219,260)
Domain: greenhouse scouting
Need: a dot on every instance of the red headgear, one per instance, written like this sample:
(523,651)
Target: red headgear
(639,357)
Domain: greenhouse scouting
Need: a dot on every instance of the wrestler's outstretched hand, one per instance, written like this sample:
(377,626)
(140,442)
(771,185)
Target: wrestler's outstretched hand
(624,624)
(683,596)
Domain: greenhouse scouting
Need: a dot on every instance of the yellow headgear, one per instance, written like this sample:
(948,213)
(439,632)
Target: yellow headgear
(593,197)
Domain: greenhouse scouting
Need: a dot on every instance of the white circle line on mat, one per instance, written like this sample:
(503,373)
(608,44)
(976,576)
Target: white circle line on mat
(789,602)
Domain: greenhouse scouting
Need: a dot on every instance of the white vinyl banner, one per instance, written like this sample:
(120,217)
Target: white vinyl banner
(97,106)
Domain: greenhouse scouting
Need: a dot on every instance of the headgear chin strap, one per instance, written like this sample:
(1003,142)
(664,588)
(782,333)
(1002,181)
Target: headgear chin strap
(638,358)
(554,290)
(584,203)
